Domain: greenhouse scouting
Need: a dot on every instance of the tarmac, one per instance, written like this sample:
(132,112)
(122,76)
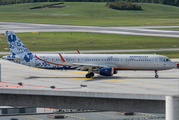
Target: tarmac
(132,82)
(126,82)
(110,115)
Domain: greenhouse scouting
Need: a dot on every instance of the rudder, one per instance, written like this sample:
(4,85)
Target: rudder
(17,48)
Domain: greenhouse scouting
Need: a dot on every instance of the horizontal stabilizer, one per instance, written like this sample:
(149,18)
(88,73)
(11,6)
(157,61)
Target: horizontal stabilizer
(12,58)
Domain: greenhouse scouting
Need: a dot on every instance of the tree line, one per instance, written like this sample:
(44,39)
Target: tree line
(167,2)
(123,6)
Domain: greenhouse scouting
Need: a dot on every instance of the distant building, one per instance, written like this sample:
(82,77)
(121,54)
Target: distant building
(16,110)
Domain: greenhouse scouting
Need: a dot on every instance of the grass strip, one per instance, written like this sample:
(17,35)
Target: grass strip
(65,41)
(91,13)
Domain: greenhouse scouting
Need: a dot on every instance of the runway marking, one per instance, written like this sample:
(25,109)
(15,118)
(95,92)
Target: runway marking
(75,117)
(23,86)
(107,115)
(83,78)
(34,118)
(38,69)
(67,77)
(12,86)
(87,72)
(78,72)
(113,79)
(123,73)
(133,77)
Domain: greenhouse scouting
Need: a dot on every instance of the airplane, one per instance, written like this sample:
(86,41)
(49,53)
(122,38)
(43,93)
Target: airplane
(103,64)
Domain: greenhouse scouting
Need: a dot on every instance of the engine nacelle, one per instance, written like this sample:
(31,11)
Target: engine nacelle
(107,71)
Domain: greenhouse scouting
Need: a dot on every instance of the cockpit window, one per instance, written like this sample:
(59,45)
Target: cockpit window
(166,60)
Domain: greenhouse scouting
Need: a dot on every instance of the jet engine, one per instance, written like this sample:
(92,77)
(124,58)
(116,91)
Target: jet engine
(107,71)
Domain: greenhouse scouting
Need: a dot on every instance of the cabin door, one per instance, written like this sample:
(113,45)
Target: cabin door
(156,61)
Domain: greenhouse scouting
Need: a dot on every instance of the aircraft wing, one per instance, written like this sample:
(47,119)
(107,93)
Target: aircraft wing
(83,66)
(88,65)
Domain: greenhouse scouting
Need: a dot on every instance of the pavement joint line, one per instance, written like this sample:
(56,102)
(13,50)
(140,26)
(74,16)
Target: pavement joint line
(152,83)
(147,114)
(107,115)
(34,118)
(113,79)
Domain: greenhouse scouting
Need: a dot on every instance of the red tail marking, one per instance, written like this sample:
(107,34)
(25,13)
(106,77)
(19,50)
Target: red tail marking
(78,51)
(51,62)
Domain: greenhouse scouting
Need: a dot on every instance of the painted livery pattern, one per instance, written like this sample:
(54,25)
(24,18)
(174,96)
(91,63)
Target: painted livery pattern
(19,50)
(103,64)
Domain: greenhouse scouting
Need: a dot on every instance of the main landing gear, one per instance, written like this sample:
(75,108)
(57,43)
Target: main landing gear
(156,76)
(89,75)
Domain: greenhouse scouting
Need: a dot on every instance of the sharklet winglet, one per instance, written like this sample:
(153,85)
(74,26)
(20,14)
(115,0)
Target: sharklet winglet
(78,51)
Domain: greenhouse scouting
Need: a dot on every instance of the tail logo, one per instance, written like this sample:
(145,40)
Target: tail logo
(28,57)
(11,38)
(18,44)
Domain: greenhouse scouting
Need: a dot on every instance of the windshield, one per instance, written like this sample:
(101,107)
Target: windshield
(166,60)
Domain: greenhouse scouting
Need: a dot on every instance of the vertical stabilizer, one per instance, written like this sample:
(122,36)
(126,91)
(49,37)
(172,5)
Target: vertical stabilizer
(18,50)
(15,44)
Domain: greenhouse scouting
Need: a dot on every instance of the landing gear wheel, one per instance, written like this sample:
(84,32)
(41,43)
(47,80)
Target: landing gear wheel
(88,75)
(156,76)
(91,74)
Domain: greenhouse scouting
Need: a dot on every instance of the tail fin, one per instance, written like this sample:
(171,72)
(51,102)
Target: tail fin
(15,44)
(18,50)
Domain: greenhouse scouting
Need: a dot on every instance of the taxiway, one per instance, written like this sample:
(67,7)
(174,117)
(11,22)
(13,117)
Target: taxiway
(132,30)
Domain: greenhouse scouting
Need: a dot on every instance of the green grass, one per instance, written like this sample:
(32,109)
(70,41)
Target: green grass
(64,41)
(91,13)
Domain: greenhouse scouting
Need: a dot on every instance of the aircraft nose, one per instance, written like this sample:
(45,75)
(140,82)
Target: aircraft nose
(174,65)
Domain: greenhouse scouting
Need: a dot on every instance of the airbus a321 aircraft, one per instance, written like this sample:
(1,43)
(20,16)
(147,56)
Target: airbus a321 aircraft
(103,64)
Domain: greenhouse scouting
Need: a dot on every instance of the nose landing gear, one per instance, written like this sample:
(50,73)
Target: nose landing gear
(156,76)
